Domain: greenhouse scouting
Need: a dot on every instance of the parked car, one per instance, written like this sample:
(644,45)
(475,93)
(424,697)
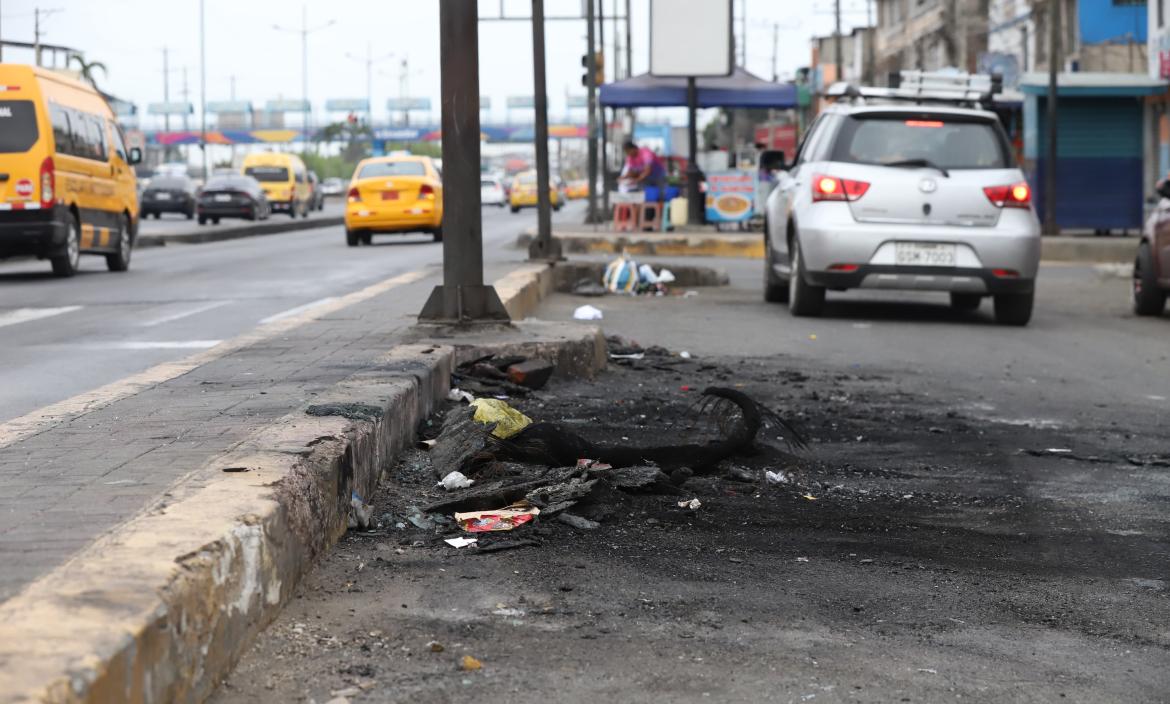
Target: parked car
(1151,267)
(394,194)
(233,196)
(168,194)
(333,186)
(890,194)
(316,195)
(491,192)
(523,193)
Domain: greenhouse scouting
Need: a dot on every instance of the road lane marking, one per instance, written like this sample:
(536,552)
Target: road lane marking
(24,315)
(298,310)
(56,413)
(184,314)
(153,345)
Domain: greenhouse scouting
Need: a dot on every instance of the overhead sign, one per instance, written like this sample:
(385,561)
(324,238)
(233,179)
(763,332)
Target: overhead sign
(485,102)
(172,108)
(285,105)
(577,101)
(690,38)
(408,104)
(730,196)
(216,107)
(520,101)
(347,105)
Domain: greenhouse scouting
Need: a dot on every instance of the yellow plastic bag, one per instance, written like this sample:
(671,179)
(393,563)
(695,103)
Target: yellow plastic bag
(508,420)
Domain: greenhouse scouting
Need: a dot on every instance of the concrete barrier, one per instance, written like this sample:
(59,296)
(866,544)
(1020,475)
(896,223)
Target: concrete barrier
(213,233)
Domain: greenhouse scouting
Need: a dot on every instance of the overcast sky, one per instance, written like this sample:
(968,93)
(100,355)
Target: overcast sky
(129,35)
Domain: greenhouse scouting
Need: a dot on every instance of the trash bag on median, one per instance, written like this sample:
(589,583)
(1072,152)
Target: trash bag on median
(508,420)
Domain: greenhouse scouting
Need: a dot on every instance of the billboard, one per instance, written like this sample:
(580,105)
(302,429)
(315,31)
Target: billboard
(520,101)
(220,106)
(485,102)
(285,105)
(407,104)
(172,108)
(576,101)
(690,38)
(347,105)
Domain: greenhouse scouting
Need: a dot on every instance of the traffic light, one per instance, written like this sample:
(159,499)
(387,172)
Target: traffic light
(598,75)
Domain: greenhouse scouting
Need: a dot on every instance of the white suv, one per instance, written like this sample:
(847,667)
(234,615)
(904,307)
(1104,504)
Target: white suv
(891,194)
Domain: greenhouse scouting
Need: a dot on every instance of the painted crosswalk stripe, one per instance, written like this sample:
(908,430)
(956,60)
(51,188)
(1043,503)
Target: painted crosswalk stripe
(24,315)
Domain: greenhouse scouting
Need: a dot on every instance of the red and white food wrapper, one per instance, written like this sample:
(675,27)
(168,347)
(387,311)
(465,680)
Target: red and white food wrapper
(497,519)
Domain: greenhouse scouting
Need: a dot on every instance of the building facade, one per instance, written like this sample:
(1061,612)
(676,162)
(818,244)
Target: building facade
(929,35)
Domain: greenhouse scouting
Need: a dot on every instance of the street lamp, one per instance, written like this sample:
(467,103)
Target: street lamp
(305,31)
(369,61)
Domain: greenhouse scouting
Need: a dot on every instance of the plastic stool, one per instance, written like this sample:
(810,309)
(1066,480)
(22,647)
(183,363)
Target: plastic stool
(625,217)
(650,219)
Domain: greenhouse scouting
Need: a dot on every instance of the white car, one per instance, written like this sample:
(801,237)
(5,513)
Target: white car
(491,192)
(909,189)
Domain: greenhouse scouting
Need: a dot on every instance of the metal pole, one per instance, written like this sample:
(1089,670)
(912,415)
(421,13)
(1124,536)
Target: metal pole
(591,85)
(305,69)
(694,205)
(203,90)
(542,248)
(37,35)
(166,88)
(1050,226)
(837,37)
(775,51)
(604,122)
(462,297)
(743,36)
(629,43)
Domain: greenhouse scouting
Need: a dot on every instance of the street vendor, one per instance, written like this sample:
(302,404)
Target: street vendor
(644,169)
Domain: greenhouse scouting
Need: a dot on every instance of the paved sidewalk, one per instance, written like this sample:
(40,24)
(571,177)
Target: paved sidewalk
(66,485)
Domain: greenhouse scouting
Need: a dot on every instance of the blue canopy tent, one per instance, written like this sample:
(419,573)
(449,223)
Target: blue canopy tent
(739,90)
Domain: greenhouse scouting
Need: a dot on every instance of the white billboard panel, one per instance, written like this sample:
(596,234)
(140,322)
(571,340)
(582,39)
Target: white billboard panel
(690,38)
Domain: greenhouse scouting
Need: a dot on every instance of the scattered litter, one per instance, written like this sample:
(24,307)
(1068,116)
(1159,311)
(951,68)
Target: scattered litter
(498,519)
(802,559)
(234,470)
(578,522)
(810,497)
(634,355)
(419,519)
(684,354)
(1058,450)
(812,337)
(587,312)
(426,444)
(690,294)
(532,373)
(693,504)
(457,395)
(928,670)
(777,477)
(621,276)
(360,516)
(456,480)
(666,276)
(435,646)
(508,420)
(507,612)
(461,542)
(470,664)
(646,274)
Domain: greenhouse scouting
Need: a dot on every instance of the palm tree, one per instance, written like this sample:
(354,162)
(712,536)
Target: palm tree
(87,68)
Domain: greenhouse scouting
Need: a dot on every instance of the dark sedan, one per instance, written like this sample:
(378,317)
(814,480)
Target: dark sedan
(233,196)
(168,194)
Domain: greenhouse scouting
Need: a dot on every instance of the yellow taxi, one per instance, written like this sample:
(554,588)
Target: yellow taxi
(285,181)
(523,193)
(66,183)
(576,190)
(394,194)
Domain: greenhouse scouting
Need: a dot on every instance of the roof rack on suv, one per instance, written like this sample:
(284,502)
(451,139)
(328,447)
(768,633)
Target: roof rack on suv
(970,89)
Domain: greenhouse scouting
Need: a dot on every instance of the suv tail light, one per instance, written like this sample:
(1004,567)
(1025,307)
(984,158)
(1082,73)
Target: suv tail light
(48,181)
(1017,195)
(353,195)
(426,192)
(833,188)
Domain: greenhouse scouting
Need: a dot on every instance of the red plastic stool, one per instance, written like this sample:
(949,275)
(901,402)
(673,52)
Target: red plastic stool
(625,217)
(651,217)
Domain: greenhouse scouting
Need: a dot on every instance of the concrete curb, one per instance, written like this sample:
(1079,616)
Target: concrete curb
(209,233)
(1083,250)
(161,608)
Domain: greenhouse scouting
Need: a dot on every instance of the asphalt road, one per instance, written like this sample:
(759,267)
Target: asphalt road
(61,337)
(981,516)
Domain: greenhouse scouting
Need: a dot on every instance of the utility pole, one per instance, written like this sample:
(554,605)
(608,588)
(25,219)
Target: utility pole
(837,37)
(166,88)
(463,297)
(202,88)
(617,43)
(38,13)
(629,44)
(604,122)
(187,97)
(369,62)
(543,247)
(304,31)
(775,51)
(591,85)
(743,36)
(1050,226)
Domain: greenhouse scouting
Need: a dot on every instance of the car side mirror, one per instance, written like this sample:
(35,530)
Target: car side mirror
(773,160)
(135,156)
(1163,188)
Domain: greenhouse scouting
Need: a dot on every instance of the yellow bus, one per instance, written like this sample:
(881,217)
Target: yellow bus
(283,177)
(67,186)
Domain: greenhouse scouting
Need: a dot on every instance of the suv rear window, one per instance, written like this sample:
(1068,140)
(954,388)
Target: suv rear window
(18,126)
(268,174)
(942,140)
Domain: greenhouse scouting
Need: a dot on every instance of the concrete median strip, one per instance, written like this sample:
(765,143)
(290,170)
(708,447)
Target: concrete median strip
(160,608)
(214,233)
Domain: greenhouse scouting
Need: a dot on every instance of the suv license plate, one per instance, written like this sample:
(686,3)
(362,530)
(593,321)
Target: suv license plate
(919,254)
